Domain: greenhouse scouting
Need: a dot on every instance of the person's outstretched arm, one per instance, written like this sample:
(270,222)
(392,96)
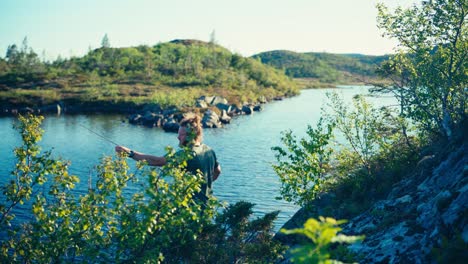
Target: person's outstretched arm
(152,160)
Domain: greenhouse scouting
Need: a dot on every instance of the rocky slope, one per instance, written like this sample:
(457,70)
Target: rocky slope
(424,218)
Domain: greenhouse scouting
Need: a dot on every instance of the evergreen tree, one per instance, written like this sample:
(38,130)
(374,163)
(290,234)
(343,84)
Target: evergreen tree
(213,37)
(105,43)
(12,53)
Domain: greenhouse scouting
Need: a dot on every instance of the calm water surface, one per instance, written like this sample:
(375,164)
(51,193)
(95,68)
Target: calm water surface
(243,147)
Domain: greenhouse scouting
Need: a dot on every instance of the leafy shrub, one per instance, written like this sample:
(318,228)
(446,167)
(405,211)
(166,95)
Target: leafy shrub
(302,166)
(232,238)
(429,71)
(164,223)
(322,235)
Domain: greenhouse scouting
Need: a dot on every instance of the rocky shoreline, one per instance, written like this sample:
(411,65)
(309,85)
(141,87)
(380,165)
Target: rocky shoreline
(215,111)
(423,218)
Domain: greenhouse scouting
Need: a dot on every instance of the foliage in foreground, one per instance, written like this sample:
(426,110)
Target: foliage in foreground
(104,224)
(322,235)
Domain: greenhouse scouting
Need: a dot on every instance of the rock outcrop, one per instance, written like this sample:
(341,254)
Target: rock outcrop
(424,216)
(417,215)
(211,120)
(155,116)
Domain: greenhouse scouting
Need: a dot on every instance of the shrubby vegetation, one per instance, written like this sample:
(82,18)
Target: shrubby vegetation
(367,139)
(303,165)
(139,74)
(324,69)
(161,224)
(429,80)
(323,234)
(430,86)
(429,72)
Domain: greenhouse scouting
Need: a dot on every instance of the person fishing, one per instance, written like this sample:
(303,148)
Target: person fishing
(203,158)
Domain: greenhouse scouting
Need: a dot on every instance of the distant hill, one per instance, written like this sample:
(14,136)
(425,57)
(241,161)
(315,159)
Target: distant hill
(325,68)
(175,72)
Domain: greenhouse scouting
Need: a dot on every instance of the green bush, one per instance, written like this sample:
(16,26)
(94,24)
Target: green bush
(322,235)
(303,165)
(161,224)
(428,72)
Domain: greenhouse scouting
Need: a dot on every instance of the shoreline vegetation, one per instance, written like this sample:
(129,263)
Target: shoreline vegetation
(173,74)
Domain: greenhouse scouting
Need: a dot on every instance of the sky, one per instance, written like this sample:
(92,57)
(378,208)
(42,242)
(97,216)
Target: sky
(72,27)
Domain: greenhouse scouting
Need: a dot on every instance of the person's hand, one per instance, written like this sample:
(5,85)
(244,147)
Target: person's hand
(122,149)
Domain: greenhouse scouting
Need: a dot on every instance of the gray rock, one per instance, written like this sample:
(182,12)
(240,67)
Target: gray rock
(152,120)
(247,109)
(171,126)
(225,118)
(153,108)
(224,107)
(201,104)
(54,108)
(457,208)
(134,119)
(404,199)
(207,99)
(465,234)
(211,120)
(258,108)
(235,110)
(170,111)
(219,100)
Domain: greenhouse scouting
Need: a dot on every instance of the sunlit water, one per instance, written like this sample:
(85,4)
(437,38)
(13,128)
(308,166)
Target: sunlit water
(243,148)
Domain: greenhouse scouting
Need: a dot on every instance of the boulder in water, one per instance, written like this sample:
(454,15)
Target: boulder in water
(211,120)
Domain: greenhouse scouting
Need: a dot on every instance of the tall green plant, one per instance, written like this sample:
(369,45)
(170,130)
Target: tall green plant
(361,125)
(322,235)
(429,71)
(234,238)
(302,165)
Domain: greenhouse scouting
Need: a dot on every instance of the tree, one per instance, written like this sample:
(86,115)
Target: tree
(213,37)
(303,165)
(429,71)
(105,43)
(12,53)
(24,45)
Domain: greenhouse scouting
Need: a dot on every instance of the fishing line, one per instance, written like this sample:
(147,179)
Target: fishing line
(97,134)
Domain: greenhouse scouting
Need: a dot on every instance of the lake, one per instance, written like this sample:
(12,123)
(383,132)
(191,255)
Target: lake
(243,148)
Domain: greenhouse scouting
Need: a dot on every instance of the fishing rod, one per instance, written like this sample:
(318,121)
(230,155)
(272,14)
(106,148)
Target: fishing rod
(97,134)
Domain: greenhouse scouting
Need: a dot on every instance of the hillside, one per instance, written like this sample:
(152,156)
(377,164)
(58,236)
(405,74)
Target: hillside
(324,68)
(422,218)
(172,73)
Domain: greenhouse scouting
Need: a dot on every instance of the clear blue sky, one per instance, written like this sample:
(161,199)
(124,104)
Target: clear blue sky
(70,27)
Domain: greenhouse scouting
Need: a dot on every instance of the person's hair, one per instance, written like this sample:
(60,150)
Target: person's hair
(192,124)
